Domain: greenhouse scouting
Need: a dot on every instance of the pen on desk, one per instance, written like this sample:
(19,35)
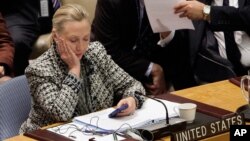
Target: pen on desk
(115,136)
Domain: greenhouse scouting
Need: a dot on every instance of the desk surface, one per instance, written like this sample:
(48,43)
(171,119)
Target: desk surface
(222,94)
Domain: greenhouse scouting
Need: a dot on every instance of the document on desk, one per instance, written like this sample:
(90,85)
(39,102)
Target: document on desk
(162,17)
(151,112)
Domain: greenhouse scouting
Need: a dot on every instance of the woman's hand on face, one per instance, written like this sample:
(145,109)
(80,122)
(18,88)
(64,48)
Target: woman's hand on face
(68,56)
(131,106)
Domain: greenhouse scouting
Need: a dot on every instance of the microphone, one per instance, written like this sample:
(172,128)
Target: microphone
(165,127)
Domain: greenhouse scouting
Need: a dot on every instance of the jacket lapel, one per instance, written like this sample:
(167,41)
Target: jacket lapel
(196,38)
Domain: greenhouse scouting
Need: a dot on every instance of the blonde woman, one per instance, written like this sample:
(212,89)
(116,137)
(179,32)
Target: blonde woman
(76,77)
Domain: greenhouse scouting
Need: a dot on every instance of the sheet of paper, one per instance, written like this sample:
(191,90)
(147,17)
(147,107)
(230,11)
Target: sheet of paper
(74,131)
(151,111)
(162,18)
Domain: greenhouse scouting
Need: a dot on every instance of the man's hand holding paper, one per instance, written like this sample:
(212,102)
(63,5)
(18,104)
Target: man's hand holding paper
(191,9)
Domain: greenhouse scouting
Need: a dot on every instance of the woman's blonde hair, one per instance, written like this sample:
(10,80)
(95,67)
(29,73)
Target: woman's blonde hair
(68,12)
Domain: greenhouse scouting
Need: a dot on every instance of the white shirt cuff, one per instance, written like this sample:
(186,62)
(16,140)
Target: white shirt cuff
(165,41)
(148,72)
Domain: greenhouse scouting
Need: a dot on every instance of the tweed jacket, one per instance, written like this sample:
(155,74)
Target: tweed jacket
(55,92)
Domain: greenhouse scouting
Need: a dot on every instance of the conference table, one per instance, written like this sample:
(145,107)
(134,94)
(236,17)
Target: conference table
(221,94)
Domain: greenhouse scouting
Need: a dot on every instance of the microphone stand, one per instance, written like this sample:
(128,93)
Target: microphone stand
(163,128)
(167,117)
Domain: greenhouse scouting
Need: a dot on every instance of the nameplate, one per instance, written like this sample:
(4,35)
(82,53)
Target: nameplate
(209,129)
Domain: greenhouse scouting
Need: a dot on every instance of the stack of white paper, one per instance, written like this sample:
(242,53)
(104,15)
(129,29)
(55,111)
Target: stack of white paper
(150,111)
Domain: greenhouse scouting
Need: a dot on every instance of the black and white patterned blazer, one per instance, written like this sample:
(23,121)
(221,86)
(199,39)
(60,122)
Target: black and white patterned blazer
(55,92)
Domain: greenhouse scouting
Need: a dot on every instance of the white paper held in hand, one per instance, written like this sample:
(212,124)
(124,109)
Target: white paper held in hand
(162,17)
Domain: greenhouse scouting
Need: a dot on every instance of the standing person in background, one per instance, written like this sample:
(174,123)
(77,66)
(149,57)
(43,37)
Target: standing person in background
(76,77)
(220,43)
(6,52)
(123,28)
(21,18)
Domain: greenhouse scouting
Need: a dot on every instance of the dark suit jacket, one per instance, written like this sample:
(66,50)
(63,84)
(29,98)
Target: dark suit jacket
(20,12)
(222,19)
(116,25)
(6,47)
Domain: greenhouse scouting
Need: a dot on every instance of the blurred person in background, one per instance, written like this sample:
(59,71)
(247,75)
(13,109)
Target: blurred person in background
(21,18)
(6,52)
